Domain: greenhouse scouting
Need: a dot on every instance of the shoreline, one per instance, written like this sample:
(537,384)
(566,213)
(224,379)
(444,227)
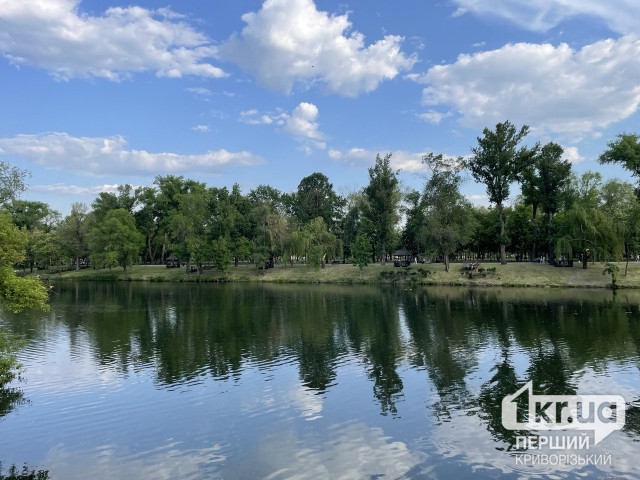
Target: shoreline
(492,275)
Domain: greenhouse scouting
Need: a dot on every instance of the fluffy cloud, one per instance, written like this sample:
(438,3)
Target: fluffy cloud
(541,15)
(55,35)
(360,157)
(572,154)
(300,123)
(200,128)
(107,155)
(290,41)
(557,89)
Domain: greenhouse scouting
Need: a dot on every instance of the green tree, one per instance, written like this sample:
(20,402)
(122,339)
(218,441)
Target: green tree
(624,151)
(74,231)
(221,255)
(621,204)
(498,162)
(361,251)
(518,229)
(554,174)
(448,216)
(412,232)
(17,293)
(585,227)
(322,243)
(382,205)
(115,240)
(315,197)
(190,227)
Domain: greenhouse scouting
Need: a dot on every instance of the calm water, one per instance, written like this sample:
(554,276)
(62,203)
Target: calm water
(157,381)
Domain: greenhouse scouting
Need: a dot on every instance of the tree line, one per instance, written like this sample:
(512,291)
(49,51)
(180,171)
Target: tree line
(558,215)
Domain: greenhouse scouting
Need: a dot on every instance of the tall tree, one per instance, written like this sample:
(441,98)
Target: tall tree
(554,174)
(448,215)
(73,232)
(498,162)
(315,197)
(412,232)
(115,240)
(191,225)
(383,199)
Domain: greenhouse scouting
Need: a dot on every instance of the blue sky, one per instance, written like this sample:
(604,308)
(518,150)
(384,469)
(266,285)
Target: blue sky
(97,93)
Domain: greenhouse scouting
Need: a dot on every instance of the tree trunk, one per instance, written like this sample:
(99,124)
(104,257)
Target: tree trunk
(235,261)
(77,264)
(584,260)
(446,262)
(323,259)
(503,253)
(384,252)
(534,221)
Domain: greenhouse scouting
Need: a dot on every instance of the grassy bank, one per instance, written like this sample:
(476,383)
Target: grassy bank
(490,274)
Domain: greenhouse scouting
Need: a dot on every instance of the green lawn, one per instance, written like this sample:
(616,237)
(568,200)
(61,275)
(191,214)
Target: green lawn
(512,274)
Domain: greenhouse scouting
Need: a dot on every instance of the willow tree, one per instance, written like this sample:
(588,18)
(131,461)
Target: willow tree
(498,161)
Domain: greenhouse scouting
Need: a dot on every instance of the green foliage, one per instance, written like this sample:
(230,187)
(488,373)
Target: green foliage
(73,232)
(314,198)
(497,162)
(362,251)
(624,151)
(260,256)
(17,293)
(612,269)
(382,202)
(221,254)
(12,182)
(315,256)
(448,217)
(115,240)
(9,367)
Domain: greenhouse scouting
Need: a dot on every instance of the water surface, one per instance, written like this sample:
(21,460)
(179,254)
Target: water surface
(187,381)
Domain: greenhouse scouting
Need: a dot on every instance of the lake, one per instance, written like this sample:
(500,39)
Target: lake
(240,381)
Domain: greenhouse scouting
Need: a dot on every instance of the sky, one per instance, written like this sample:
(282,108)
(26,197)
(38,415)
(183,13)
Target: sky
(98,93)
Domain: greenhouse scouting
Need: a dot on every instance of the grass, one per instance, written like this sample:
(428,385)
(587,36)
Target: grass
(491,275)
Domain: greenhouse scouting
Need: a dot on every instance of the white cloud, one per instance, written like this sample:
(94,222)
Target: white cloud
(300,124)
(556,89)
(107,155)
(572,154)
(433,116)
(200,128)
(200,92)
(360,158)
(63,189)
(291,42)
(622,16)
(57,36)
